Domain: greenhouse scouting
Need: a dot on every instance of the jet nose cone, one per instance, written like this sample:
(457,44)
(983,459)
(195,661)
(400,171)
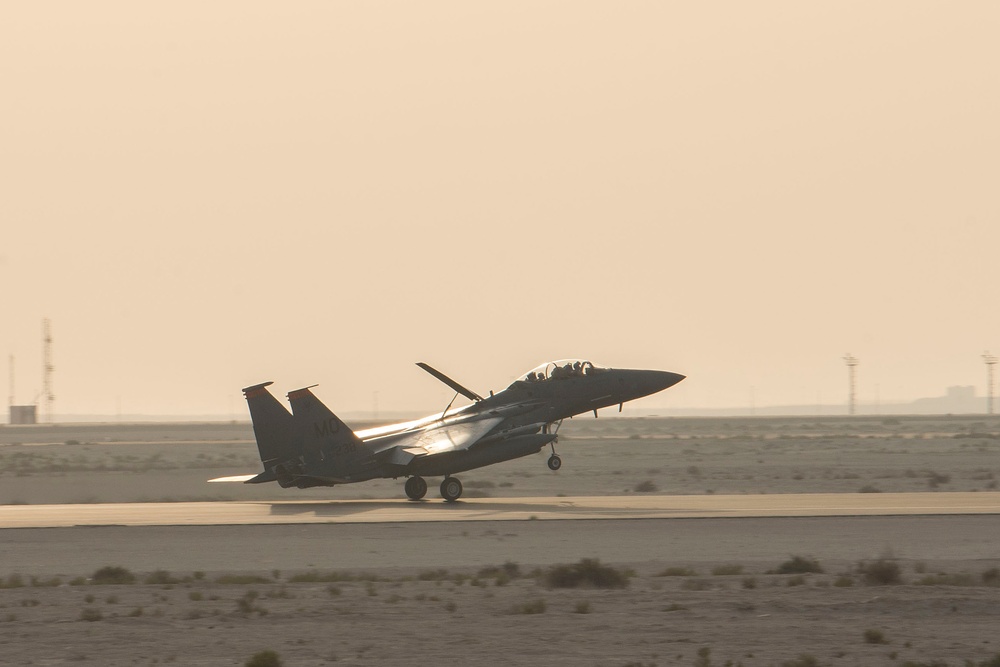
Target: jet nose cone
(665,379)
(670,379)
(645,383)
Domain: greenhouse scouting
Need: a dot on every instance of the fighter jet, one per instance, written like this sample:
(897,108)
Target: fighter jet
(310,446)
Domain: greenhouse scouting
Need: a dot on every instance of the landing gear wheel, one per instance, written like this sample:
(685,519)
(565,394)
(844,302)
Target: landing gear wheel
(555,462)
(451,489)
(416,488)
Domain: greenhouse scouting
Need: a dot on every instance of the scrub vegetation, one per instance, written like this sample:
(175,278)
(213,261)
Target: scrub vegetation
(881,572)
(663,614)
(677,572)
(266,658)
(170,462)
(608,595)
(874,636)
(588,573)
(799,565)
(112,574)
(537,606)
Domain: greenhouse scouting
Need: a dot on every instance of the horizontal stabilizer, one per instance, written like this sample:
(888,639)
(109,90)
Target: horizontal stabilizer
(233,478)
(259,478)
(266,476)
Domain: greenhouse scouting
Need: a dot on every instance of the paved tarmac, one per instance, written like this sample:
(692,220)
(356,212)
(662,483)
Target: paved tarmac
(496,509)
(839,542)
(253,536)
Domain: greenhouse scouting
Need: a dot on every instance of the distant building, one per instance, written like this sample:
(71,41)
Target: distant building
(961,393)
(957,400)
(24,414)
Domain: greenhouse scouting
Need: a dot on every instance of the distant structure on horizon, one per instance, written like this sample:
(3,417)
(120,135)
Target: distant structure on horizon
(959,399)
(852,363)
(28,414)
(47,369)
(19,414)
(990,360)
(23,414)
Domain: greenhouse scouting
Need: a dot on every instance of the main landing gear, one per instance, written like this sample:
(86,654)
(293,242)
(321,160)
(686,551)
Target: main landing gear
(451,489)
(416,488)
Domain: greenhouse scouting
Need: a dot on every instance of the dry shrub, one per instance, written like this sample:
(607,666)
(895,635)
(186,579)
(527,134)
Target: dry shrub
(799,565)
(588,573)
(942,579)
(90,615)
(241,579)
(533,607)
(112,574)
(264,659)
(677,572)
(161,577)
(881,572)
(873,636)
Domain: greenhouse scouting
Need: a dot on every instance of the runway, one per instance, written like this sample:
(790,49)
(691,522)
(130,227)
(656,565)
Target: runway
(499,509)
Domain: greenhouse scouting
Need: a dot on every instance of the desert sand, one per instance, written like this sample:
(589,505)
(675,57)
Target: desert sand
(432,593)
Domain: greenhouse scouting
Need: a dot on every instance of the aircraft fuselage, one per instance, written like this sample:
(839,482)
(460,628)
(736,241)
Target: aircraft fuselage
(312,447)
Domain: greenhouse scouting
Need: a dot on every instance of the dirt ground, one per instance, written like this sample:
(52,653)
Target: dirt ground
(459,616)
(91,463)
(717,606)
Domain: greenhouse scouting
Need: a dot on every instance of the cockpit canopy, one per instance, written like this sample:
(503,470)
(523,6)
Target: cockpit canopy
(561,369)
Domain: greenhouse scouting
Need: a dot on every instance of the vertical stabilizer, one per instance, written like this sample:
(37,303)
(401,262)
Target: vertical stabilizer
(273,426)
(324,436)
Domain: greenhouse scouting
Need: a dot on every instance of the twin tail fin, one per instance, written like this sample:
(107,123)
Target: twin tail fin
(292,443)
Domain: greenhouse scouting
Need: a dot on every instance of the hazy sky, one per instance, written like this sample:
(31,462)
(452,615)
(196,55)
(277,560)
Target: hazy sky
(202,196)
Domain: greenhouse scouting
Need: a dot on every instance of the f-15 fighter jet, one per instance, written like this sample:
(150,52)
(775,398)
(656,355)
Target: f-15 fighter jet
(312,447)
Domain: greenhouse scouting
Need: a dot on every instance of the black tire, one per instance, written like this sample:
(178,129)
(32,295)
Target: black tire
(555,462)
(416,488)
(451,489)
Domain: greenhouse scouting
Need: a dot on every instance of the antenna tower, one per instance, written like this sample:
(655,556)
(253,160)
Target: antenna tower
(47,369)
(990,360)
(10,397)
(852,363)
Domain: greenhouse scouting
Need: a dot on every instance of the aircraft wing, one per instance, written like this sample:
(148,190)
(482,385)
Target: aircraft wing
(437,440)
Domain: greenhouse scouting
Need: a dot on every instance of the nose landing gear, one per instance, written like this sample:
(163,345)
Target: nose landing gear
(554,461)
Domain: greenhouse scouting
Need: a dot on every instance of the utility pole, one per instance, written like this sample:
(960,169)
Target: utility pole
(990,360)
(47,369)
(852,363)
